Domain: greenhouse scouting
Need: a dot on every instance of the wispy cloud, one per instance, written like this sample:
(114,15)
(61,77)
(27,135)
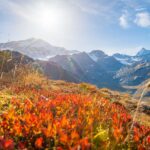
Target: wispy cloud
(142,19)
(140,9)
(124,20)
(105,9)
(16,8)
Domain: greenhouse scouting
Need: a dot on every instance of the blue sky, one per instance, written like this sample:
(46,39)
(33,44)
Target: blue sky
(111,25)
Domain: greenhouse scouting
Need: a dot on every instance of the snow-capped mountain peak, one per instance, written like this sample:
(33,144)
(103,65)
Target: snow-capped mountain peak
(126,59)
(35,48)
(143,52)
(97,54)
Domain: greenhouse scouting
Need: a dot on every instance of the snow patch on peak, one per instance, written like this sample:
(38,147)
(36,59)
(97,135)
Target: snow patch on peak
(143,52)
(95,58)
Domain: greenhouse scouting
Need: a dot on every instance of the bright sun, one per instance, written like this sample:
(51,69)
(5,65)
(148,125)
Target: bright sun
(49,17)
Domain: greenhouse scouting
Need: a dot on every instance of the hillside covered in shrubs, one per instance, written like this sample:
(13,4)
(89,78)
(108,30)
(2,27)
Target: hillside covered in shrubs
(37,113)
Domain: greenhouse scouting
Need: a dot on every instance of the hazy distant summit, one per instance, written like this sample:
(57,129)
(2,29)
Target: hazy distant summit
(35,48)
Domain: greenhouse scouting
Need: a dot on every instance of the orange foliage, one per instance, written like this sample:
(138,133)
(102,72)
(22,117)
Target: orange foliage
(67,121)
(39,142)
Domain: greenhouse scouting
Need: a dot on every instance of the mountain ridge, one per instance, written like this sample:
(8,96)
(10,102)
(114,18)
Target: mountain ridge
(94,67)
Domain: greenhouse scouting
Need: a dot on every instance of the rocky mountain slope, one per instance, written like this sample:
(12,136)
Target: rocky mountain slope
(53,71)
(109,63)
(11,59)
(135,74)
(87,70)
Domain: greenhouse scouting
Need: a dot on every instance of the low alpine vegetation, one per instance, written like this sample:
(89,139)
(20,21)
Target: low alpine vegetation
(56,120)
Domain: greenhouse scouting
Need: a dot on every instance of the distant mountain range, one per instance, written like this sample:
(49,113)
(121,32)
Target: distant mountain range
(117,72)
